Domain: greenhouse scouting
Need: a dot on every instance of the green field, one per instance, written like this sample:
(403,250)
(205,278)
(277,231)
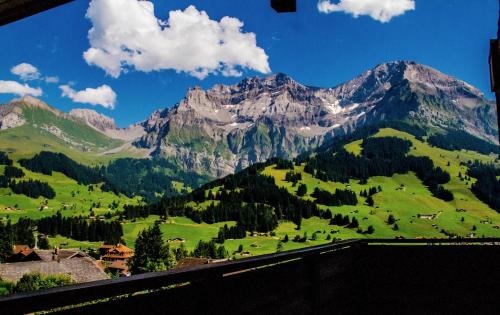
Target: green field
(72,199)
(403,195)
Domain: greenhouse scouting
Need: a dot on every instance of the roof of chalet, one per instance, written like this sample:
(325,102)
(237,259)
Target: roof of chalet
(119,251)
(19,248)
(81,269)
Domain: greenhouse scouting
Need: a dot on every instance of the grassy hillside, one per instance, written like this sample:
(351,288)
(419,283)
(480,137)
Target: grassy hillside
(72,199)
(46,131)
(403,196)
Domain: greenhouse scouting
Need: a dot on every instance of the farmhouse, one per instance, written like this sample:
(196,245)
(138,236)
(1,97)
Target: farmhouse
(78,265)
(426,216)
(115,258)
(23,253)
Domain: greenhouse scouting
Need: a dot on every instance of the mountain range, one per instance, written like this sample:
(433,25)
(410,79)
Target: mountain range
(228,127)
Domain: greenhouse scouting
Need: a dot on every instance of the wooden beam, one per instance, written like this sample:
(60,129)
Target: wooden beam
(13,10)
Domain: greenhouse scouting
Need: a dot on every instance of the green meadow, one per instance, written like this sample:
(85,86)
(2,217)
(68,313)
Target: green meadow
(402,195)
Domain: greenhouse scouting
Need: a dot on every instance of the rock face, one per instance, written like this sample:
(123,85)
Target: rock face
(229,127)
(94,119)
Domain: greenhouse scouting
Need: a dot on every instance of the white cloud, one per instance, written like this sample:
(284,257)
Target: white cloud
(126,34)
(13,87)
(54,79)
(26,71)
(102,95)
(380,10)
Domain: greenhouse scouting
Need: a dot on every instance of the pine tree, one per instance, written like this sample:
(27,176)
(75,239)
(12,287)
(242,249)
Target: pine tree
(43,242)
(370,230)
(151,254)
(302,190)
(369,201)
(279,247)
(390,219)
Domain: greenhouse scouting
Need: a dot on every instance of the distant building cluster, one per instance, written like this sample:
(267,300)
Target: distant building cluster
(80,266)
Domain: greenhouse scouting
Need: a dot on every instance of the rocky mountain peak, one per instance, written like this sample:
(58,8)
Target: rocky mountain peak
(93,119)
(31,101)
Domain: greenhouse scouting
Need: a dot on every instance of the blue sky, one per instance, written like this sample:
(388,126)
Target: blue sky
(315,48)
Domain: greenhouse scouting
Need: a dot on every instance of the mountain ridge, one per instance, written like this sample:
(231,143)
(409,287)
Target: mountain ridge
(228,127)
(259,118)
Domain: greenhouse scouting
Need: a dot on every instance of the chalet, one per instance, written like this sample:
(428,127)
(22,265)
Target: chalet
(426,216)
(73,262)
(115,252)
(118,267)
(115,258)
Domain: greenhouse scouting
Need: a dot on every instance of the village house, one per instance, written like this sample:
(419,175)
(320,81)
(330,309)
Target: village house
(73,262)
(426,216)
(115,258)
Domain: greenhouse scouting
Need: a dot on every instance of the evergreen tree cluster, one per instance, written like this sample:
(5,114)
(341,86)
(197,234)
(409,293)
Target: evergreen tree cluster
(13,172)
(128,176)
(458,139)
(250,217)
(340,220)
(18,233)
(81,229)
(293,177)
(32,188)
(384,156)
(371,191)
(487,186)
(209,250)
(234,232)
(4,159)
(339,198)
(48,162)
(257,205)
(302,190)
(282,164)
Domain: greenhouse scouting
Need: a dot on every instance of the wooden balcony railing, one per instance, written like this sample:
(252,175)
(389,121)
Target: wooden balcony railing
(353,276)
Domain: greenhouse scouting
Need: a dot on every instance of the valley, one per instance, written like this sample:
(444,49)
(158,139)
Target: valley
(273,144)
(403,196)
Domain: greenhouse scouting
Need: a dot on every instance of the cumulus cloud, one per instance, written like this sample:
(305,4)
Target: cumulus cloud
(103,95)
(26,71)
(13,87)
(380,10)
(126,34)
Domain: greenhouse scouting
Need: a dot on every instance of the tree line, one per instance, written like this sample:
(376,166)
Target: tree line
(487,186)
(338,198)
(127,176)
(233,232)
(11,234)
(384,156)
(459,139)
(32,188)
(81,229)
